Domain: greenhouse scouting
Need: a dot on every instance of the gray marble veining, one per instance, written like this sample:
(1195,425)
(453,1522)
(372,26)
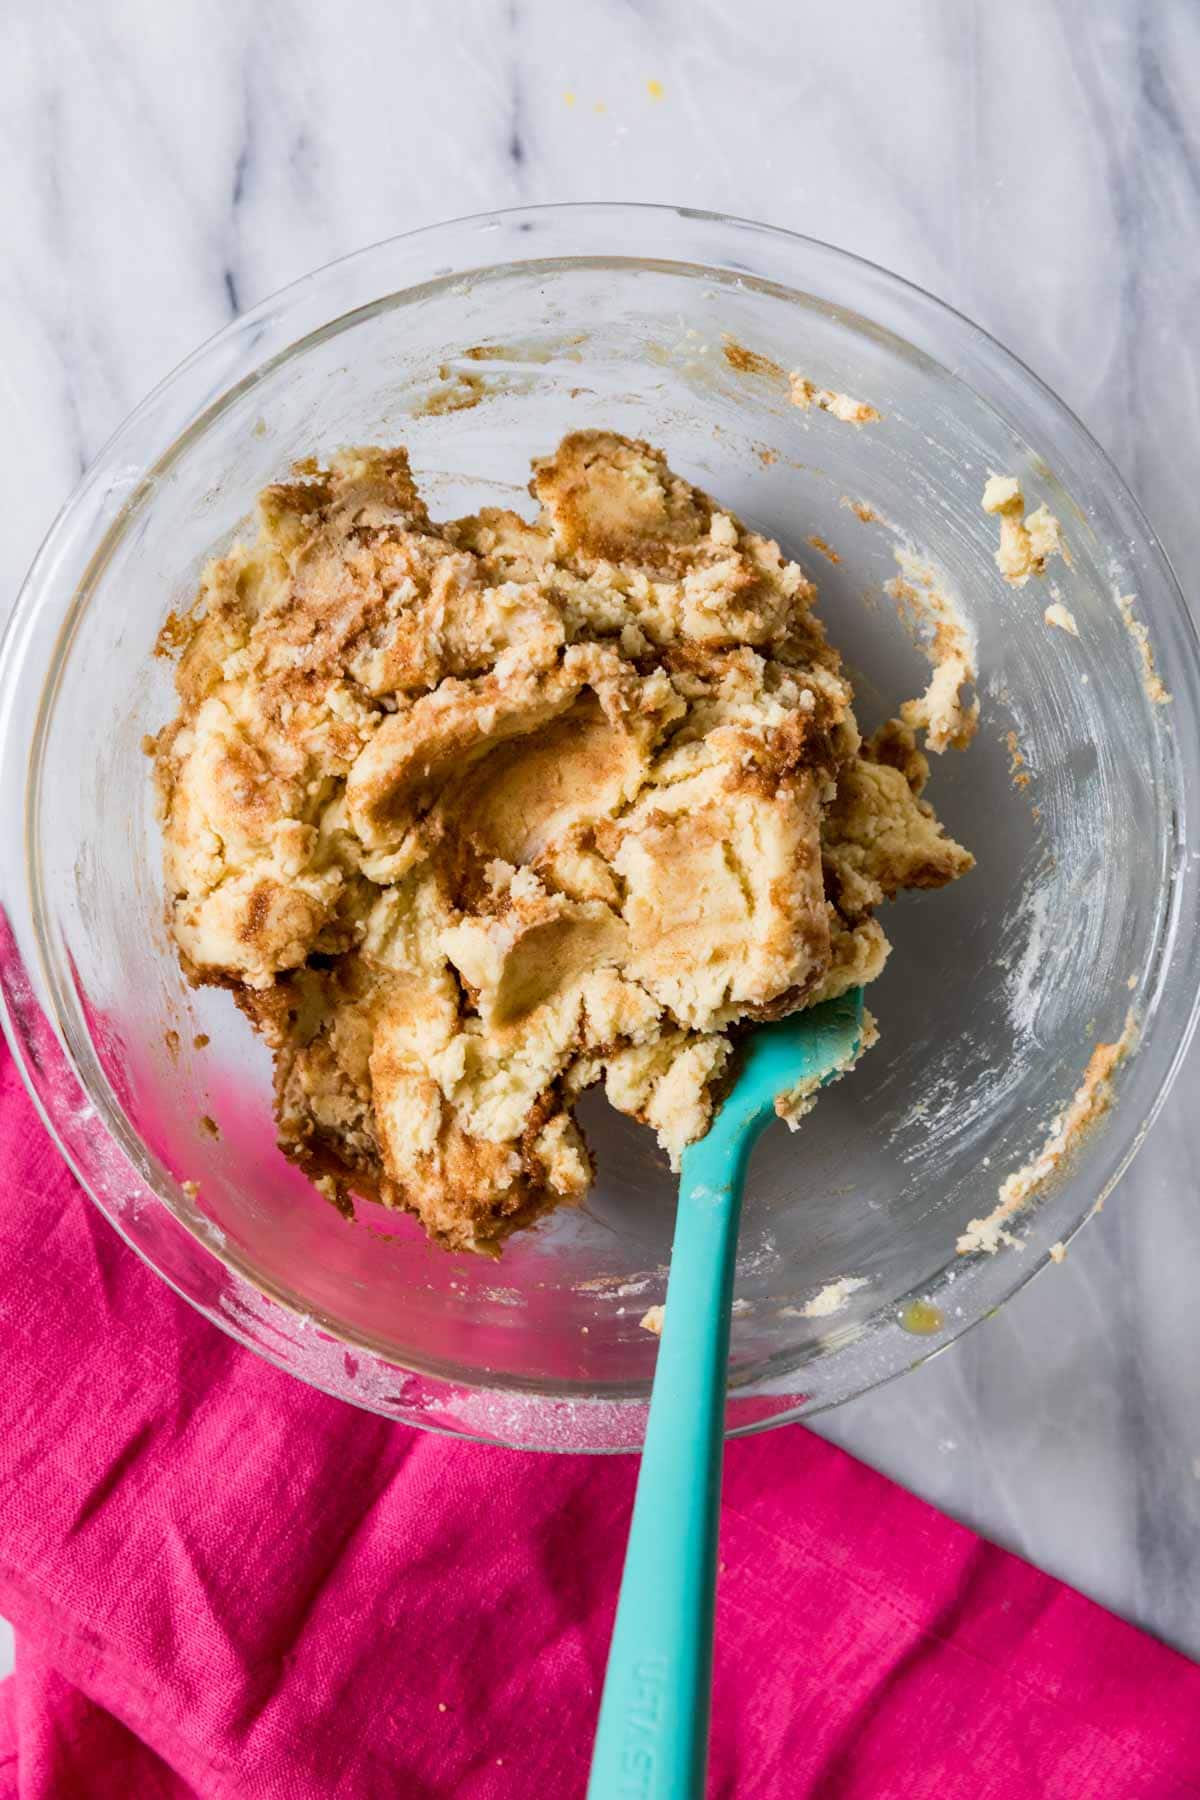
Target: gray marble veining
(1037,165)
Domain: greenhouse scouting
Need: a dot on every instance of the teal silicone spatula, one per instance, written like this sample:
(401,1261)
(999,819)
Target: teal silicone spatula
(652,1738)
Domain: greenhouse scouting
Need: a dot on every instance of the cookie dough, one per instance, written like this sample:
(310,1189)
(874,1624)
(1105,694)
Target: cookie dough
(471,816)
(805,394)
(1027,540)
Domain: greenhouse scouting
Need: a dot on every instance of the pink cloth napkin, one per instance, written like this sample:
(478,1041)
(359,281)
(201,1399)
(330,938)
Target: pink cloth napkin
(225,1584)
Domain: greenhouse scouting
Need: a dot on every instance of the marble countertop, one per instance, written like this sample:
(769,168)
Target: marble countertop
(167,166)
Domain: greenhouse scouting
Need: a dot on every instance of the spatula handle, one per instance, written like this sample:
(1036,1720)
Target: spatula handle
(652,1739)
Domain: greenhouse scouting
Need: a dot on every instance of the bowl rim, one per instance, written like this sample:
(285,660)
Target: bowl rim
(240,332)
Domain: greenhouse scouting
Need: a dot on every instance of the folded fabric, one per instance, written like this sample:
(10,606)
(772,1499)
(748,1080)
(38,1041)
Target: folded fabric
(226,1584)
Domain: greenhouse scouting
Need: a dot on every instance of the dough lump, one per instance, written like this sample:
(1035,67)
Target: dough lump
(470,816)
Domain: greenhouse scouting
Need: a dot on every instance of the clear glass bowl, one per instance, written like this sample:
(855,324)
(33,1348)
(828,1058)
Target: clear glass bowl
(1084,901)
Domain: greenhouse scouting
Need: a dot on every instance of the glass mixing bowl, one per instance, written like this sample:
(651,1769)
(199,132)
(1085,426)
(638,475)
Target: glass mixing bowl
(1083,904)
